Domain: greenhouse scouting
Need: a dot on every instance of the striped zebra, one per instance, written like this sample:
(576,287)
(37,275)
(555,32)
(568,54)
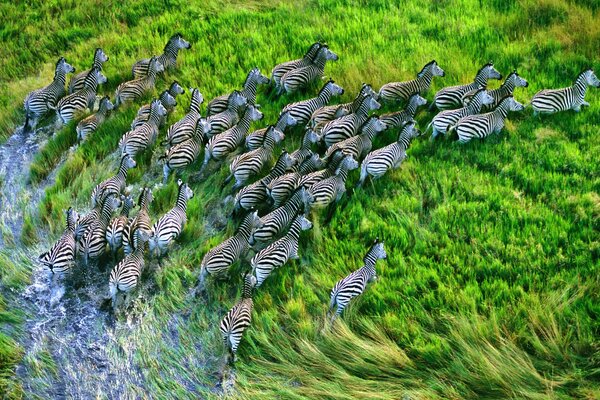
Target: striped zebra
(114,185)
(246,165)
(305,151)
(168,58)
(167,99)
(76,103)
(125,276)
(401,91)
(355,284)
(279,252)
(220,258)
(330,190)
(451,96)
(141,222)
(184,129)
(85,221)
(359,146)
(170,225)
(447,118)
(39,102)
(254,140)
(253,79)
(114,230)
(333,163)
(348,125)
(482,125)
(130,91)
(550,101)
(512,81)
(378,162)
(93,243)
(299,78)
(238,319)
(185,153)
(236,104)
(399,118)
(328,113)
(77,80)
(61,256)
(144,136)
(88,125)
(303,110)
(223,144)
(281,69)
(281,187)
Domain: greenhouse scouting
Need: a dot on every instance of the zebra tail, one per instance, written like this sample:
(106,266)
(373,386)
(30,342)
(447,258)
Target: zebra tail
(26,127)
(451,131)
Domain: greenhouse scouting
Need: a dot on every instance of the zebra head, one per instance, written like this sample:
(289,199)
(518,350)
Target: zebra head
(433,68)
(286,160)
(106,104)
(167,100)
(373,104)
(516,80)
(100,57)
(288,119)
(98,75)
(367,90)
(334,88)
(305,223)
(591,78)
(256,76)
(409,130)
(484,97)
(236,99)
(128,162)
(203,128)
(330,55)
(156,65)
(72,219)
(416,101)
(156,108)
(185,189)
(254,112)
(275,133)
(313,136)
(348,164)
(197,96)
(489,72)
(62,66)
(179,42)
(374,124)
(376,251)
(514,105)
(128,203)
(176,89)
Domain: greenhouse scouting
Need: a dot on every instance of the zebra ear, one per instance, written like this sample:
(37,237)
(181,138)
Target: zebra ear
(179,182)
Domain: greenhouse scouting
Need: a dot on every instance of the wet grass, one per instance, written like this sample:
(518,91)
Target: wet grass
(491,286)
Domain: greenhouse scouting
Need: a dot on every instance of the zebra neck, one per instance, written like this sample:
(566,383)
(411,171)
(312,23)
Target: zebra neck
(294,232)
(369,134)
(168,57)
(181,202)
(320,61)
(97,64)
(480,80)
(306,143)
(154,117)
(502,110)
(324,97)
(163,98)
(126,209)
(424,81)
(91,84)
(404,142)
(281,123)
(194,106)
(244,124)
(122,171)
(580,87)
(249,90)
(277,170)
(60,78)
(411,109)
(269,143)
(505,90)
(343,173)
(474,106)
(369,270)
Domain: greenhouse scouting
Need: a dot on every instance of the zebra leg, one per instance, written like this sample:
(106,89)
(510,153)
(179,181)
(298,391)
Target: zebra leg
(585,104)
(226,181)
(166,172)
(330,211)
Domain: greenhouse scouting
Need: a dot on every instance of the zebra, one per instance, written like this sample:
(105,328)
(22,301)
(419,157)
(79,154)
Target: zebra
(88,125)
(185,153)
(39,102)
(61,256)
(184,129)
(482,125)
(449,117)
(125,276)
(114,185)
(279,252)
(550,101)
(84,222)
(114,231)
(281,187)
(333,163)
(132,90)
(356,282)
(94,241)
(142,137)
(378,162)
(327,191)
(220,258)
(281,69)
(236,103)
(77,80)
(253,79)
(167,98)
(303,110)
(168,58)
(170,225)
(451,96)
(304,152)
(254,140)
(347,126)
(359,146)
(399,118)
(295,79)
(512,81)
(401,91)
(245,165)
(77,102)
(328,113)
(238,319)
(141,222)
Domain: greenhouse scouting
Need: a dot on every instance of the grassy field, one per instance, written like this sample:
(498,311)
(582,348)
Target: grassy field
(491,287)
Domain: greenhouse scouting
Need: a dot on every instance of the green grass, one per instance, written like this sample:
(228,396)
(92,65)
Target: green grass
(491,286)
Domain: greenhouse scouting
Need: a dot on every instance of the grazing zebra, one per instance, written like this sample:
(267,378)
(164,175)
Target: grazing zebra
(77,80)
(550,101)
(281,187)
(142,137)
(167,98)
(328,113)
(355,284)
(399,118)
(40,101)
(359,146)
(248,164)
(451,96)
(185,153)
(77,102)
(401,91)
(238,318)
(348,125)
(168,58)
(220,258)
(327,191)
(114,230)
(449,117)
(302,110)
(132,90)
(305,152)
(279,252)
(283,68)
(116,184)
(170,225)
(223,144)
(125,276)
(93,243)
(295,79)
(482,125)
(254,140)
(141,222)
(254,78)
(88,125)
(236,103)
(61,256)
(512,81)
(184,129)
(378,162)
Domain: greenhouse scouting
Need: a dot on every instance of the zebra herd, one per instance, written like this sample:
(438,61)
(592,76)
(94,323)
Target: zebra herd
(274,209)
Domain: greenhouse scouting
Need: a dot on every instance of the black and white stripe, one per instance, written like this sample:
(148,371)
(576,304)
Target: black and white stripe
(305,151)
(283,68)
(77,80)
(348,125)
(512,81)
(444,119)
(451,96)
(303,110)
(132,90)
(116,227)
(299,78)
(281,187)
(236,103)
(399,118)
(141,222)
(125,276)
(144,136)
(184,129)
(254,140)
(253,79)
(328,113)
(114,185)
(167,99)
(185,153)
(88,125)
(93,243)
(401,91)
(78,102)
(329,190)
(61,256)
(358,146)
(168,58)
(550,101)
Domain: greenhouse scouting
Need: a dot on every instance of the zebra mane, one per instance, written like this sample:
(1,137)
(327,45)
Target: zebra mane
(430,63)
(325,86)
(488,64)
(171,40)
